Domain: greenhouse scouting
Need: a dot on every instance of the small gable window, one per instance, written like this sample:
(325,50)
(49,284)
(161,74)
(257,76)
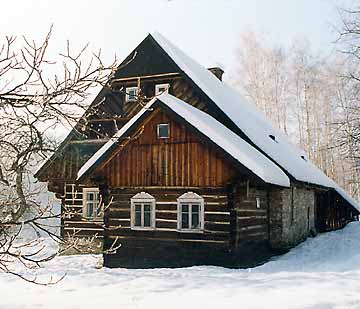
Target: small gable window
(161,88)
(91,204)
(190,212)
(163,130)
(142,211)
(131,94)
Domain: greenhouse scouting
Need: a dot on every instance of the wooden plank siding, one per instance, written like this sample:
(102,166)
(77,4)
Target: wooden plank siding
(182,160)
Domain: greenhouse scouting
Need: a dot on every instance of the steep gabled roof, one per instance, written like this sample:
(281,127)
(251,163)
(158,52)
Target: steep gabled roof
(231,143)
(251,122)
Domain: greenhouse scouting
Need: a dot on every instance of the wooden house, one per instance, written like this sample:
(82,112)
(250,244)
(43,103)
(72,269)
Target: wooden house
(172,167)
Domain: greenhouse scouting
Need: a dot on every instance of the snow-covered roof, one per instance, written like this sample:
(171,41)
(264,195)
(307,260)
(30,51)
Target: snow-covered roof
(231,143)
(251,121)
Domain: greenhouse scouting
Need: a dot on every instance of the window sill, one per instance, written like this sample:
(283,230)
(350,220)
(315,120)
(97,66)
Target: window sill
(94,219)
(190,231)
(142,228)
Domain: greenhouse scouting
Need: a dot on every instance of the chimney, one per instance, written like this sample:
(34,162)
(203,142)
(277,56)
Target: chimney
(218,72)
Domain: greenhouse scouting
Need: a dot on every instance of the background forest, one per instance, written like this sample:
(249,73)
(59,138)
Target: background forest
(311,97)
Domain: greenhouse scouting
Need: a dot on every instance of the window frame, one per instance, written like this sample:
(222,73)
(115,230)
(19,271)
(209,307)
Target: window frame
(158,130)
(158,86)
(129,98)
(190,198)
(142,198)
(98,205)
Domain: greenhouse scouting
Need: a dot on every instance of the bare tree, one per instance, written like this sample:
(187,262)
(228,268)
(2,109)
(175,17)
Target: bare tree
(33,102)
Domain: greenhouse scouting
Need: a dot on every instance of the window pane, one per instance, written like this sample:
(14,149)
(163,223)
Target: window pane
(195,216)
(137,214)
(185,208)
(132,94)
(185,221)
(90,210)
(163,130)
(184,216)
(195,208)
(89,196)
(147,215)
(195,221)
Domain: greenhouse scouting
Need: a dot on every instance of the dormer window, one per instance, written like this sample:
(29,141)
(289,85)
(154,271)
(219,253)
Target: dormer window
(131,94)
(161,88)
(163,130)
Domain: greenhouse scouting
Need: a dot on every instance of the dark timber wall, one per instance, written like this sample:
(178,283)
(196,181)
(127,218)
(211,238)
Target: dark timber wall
(165,246)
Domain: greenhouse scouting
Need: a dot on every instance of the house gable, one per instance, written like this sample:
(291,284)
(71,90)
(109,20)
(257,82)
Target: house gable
(211,131)
(146,59)
(182,160)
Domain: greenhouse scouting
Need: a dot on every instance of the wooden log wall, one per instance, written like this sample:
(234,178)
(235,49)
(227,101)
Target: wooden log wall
(251,222)
(73,223)
(216,219)
(181,160)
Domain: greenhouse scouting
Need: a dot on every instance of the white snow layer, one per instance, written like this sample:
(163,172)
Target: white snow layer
(322,273)
(251,121)
(231,143)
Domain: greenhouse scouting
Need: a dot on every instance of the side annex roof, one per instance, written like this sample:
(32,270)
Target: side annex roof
(231,143)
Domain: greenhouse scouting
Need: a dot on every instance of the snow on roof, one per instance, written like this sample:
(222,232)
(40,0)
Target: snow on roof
(251,121)
(230,142)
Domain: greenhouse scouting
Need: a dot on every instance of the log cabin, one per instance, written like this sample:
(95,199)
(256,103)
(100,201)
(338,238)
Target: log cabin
(172,167)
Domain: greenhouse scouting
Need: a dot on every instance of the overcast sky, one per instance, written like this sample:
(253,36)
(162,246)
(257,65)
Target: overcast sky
(208,30)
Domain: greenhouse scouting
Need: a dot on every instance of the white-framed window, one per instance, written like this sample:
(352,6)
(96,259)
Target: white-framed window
(190,212)
(161,88)
(142,211)
(92,206)
(131,94)
(163,130)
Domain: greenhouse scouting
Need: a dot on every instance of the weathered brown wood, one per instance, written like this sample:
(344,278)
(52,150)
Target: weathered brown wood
(165,233)
(180,154)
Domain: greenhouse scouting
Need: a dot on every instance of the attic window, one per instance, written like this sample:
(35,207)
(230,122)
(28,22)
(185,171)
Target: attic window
(131,94)
(273,137)
(161,88)
(163,130)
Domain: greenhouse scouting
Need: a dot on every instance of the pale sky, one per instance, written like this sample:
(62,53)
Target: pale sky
(207,30)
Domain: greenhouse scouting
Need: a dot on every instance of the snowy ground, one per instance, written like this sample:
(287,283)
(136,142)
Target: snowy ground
(323,272)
